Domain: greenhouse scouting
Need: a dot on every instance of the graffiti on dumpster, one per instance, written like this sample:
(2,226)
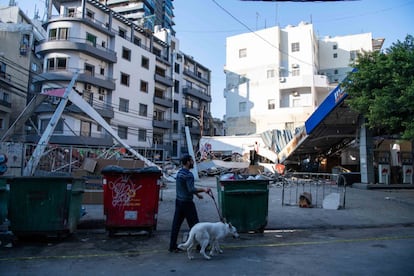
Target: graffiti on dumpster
(124,191)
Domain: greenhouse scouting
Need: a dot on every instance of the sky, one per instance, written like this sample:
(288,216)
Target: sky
(203,25)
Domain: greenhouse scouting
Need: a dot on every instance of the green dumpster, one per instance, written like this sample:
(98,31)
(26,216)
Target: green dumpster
(244,203)
(4,199)
(47,206)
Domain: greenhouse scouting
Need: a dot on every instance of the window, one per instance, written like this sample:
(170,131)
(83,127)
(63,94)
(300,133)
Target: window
(124,79)
(61,63)
(176,86)
(34,67)
(336,71)
(175,106)
(123,132)
(295,47)
(270,73)
(102,71)
(177,68)
(335,55)
(242,106)
(160,71)
(158,139)
(56,63)
(295,72)
(335,47)
(289,125)
(143,110)
(175,126)
(1,123)
(45,122)
(89,69)
(159,93)
(91,39)
(6,97)
(296,102)
(144,86)
(144,62)
(353,55)
(242,53)
(158,115)
(271,104)
(90,14)
(122,32)
(85,129)
(101,94)
(156,52)
(71,12)
(88,86)
(123,105)
(142,135)
(53,34)
(63,33)
(137,41)
(126,53)
(174,148)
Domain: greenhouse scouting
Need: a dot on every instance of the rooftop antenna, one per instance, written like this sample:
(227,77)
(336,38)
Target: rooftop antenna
(257,19)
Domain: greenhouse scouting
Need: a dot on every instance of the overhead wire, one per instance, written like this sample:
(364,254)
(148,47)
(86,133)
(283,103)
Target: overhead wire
(259,36)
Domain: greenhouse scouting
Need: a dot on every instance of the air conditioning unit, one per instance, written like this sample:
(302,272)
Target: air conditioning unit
(295,65)
(282,79)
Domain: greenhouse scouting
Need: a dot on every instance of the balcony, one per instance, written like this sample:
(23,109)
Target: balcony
(166,102)
(77,45)
(95,140)
(193,130)
(303,81)
(191,111)
(5,104)
(195,76)
(105,110)
(164,80)
(64,75)
(196,93)
(165,124)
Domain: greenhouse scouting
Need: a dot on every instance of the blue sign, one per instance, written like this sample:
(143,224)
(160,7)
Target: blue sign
(334,98)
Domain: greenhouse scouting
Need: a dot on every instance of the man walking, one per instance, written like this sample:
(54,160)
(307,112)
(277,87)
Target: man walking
(184,205)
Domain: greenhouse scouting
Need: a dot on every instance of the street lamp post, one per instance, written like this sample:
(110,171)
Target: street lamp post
(190,144)
(198,121)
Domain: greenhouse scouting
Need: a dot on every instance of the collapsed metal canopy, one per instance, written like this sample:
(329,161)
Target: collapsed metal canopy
(331,127)
(335,131)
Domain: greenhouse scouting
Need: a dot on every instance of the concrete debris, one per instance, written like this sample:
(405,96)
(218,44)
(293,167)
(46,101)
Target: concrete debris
(331,201)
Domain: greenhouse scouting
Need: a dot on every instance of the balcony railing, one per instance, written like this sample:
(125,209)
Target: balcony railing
(194,75)
(196,93)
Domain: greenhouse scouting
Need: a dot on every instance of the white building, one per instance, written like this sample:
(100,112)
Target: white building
(275,78)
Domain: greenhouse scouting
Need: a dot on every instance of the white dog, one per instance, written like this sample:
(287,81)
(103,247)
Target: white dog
(205,233)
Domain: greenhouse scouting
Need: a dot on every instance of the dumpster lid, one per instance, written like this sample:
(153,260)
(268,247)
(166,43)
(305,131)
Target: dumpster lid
(119,169)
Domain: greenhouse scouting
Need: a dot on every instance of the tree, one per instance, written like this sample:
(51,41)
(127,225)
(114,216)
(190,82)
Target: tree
(382,89)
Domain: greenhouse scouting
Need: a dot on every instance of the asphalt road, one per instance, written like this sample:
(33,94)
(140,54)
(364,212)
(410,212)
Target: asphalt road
(350,251)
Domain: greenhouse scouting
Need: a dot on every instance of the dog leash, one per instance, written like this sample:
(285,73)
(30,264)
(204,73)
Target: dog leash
(210,193)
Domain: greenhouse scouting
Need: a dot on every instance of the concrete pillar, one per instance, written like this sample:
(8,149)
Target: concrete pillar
(366,154)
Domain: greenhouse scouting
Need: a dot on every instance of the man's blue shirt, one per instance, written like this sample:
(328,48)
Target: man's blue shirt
(185,185)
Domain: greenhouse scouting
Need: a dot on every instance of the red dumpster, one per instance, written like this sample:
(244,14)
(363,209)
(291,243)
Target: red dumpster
(131,198)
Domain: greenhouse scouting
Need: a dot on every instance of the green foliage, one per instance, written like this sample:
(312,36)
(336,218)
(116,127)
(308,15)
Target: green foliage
(382,89)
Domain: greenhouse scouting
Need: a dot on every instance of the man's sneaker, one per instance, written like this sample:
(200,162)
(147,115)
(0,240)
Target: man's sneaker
(176,250)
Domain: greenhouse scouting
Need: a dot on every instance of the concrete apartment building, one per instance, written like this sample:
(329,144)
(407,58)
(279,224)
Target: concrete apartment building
(276,78)
(144,13)
(15,77)
(137,79)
